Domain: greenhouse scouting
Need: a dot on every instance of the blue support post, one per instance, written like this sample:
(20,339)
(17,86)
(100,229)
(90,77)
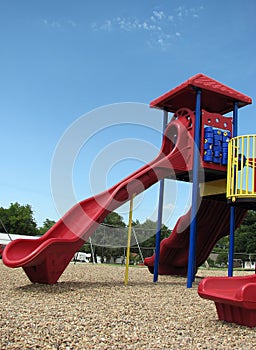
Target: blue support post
(195,193)
(160,213)
(231,241)
(232,208)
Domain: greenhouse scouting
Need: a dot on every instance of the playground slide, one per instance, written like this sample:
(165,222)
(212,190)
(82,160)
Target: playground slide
(212,224)
(45,259)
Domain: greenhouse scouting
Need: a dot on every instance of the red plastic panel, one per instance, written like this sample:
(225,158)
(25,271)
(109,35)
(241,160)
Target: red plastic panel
(216,97)
(236,314)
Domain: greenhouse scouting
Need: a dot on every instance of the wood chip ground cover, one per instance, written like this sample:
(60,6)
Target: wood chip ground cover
(90,308)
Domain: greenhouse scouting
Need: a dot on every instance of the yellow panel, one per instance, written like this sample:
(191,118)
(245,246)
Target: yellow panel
(213,187)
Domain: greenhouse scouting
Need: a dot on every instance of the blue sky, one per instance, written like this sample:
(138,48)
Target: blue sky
(62,59)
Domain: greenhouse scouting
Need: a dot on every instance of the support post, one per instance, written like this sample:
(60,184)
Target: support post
(138,245)
(195,193)
(92,251)
(231,241)
(232,208)
(160,213)
(128,242)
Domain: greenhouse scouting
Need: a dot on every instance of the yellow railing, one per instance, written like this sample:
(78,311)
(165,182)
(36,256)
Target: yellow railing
(241,177)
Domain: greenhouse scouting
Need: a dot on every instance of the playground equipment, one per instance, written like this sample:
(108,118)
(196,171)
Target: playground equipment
(195,142)
(235,297)
(212,130)
(44,259)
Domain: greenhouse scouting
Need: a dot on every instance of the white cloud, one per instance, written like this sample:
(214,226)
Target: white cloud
(145,26)
(162,28)
(193,12)
(125,24)
(158,15)
(107,25)
(72,23)
(59,24)
(52,24)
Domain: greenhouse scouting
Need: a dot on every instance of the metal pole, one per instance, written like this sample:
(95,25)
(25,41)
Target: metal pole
(8,234)
(232,208)
(231,241)
(137,242)
(92,252)
(195,194)
(128,241)
(160,213)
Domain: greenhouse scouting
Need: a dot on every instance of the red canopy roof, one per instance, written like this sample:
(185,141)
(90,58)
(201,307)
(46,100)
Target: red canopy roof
(216,97)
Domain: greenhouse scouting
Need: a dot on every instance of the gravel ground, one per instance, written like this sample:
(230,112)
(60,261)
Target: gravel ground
(90,308)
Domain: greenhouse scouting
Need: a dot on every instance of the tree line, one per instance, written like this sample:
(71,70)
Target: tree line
(114,227)
(245,241)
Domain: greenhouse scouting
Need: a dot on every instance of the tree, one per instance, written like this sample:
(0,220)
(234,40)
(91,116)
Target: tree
(245,236)
(47,224)
(146,234)
(110,226)
(18,219)
(222,244)
(222,259)
(114,219)
(245,240)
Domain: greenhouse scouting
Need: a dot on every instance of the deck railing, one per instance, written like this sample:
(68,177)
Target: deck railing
(241,176)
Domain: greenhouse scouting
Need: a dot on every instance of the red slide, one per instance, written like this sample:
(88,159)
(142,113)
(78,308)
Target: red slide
(45,258)
(212,224)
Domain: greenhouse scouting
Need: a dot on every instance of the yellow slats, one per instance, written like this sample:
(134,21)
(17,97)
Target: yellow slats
(241,167)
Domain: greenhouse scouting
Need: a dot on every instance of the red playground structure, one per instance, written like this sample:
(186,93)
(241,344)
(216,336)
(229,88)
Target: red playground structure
(200,145)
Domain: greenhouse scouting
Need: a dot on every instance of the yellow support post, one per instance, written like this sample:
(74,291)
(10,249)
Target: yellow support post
(129,241)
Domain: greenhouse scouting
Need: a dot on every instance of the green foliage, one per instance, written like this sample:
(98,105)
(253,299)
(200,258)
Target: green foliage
(18,219)
(210,262)
(86,248)
(245,236)
(222,244)
(150,225)
(114,219)
(245,241)
(113,228)
(47,224)
(222,259)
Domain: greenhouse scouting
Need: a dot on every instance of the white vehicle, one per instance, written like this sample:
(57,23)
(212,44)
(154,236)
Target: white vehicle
(82,257)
